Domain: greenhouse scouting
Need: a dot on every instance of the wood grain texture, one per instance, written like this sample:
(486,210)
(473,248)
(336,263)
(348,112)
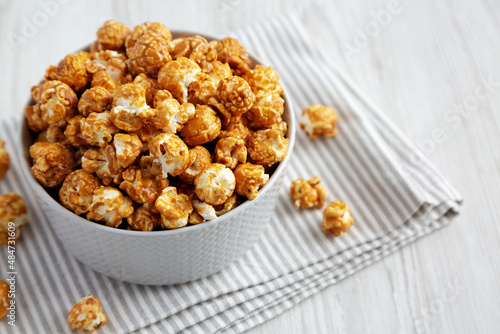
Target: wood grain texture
(422,68)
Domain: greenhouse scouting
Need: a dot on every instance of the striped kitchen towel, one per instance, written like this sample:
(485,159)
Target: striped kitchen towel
(394,199)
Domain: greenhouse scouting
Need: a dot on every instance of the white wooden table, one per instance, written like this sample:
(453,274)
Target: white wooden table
(427,64)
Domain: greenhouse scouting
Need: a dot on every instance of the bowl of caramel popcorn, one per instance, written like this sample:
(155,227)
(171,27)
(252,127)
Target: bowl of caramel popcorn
(157,155)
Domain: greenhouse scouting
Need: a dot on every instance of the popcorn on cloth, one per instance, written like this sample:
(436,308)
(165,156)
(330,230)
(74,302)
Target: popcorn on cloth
(12,209)
(308,194)
(4,160)
(337,218)
(319,121)
(86,314)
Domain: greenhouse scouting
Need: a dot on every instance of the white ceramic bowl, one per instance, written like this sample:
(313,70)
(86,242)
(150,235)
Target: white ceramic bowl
(162,257)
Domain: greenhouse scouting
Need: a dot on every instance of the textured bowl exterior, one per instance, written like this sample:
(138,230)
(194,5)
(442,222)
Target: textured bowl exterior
(161,257)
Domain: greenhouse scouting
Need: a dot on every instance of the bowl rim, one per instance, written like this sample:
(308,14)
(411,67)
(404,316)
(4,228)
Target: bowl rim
(74,218)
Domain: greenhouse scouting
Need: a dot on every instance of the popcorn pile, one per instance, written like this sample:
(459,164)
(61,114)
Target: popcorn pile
(146,132)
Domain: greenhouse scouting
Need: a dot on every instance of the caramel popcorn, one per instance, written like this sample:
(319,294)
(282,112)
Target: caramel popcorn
(184,46)
(156,28)
(177,75)
(55,103)
(230,51)
(202,90)
(337,218)
(109,206)
(170,153)
(249,179)
(219,71)
(149,53)
(230,151)
(12,209)
(141,185)
(215,184)
(170,115)
(280,126)
(308,194)
(33,116)
(102,79)
(100,60)
(52,162)
(267,147)
(53,134)
(318,120)
(4,160)
(237,130)
(77,191)
(144,218)
(112,35)
(236,97)
(261,79)
(202,128)
(86,314)
(199,158)
(174,208)
(95,99)
(150,85)
(4,299)
(104,163)
(130,108)
(73,131)
(227,206)
(72,70)
(98,129)
(204,55)
(267,109)
(206,211)
(128,148)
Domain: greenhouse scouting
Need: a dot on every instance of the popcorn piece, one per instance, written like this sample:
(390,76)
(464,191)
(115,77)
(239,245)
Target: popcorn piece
(109,206)
(171,155)
(77,191)
(206,211)
(53,134)
(98,129)
(12,209)
(144,218)
(184,46)
(236,97)
(204,54)
(95,99)
(199,158)
(86,314)
(202,90)
(308,194)
(156,28)
(145,133)
(56,102)
(72,71)
(230,151)
(227,206)
(149,53)
(100,60)
(128,148)
(174,208)
(230,51)
(281,127)
(52,162)
(150,85)
(267,147)
(104,163)
(219,71)
(112,35)
(73,131)
(237,130)
(130,108)
(102,79)
(4,160)
(202,128)
(249,179)
(261,79)
(177,76)
(4,299)
(170,115)
(318,120)
(195,218)
(337,218)
(215,184)
(34,118)
(141,185)
(267,109)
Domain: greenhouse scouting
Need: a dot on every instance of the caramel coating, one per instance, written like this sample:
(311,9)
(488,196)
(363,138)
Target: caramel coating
(202,128)
(261,79)
(336,218)
(77,191)
(4,299)
(104,163)
(215,184)
(308,194)
(204,54)
(130,107)
(170,115)
(86,314)
(230,151)
(237,130)
(128,148)
(12,209)
(33,116)
(53,134)
(319,121)
(202,90)
(267,147)
(219,71)
(267,109)
(230,51)
(150,85)
(177,76)
(72,70)
(4,160)
(249,179)
(141,185)
(170,153)
(156,28)
(199,158)
(111,35)
(204,210)
(149,53)
(280,126)
(236,96)
(56,102)
(174,208)
(184,46)
(144,218)
(109,206)
(52,162)
(98,129)
(95,99)
(73,131)
(227,206)
(102,79)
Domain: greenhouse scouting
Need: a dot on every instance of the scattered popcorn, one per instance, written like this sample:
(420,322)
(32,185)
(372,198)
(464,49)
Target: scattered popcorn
(202,128)
(86,314)
(249,179)
(199,158)
(267,147)
(72,70)
(4,299)
(109,206)
(174,208)
(215,184)
(55,101)
(230,151)
(4,160)
(52,162)
(319,121)
(130,108)
(144,218)
(12,209)
(337,218)
(308,194)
